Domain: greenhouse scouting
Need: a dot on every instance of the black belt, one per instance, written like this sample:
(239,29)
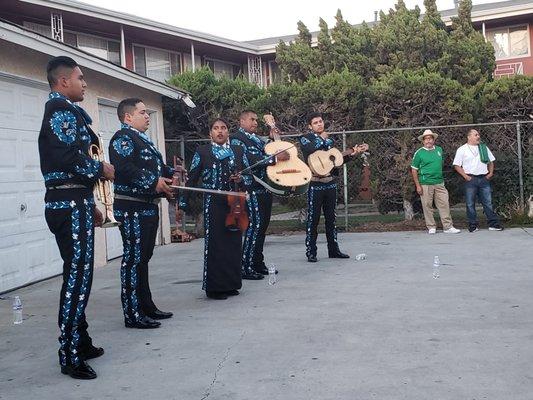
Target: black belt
(138,199)
(477,176)
(68,186)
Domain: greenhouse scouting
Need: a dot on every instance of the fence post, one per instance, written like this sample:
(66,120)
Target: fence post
(345,187)
(182,156)
(520,165)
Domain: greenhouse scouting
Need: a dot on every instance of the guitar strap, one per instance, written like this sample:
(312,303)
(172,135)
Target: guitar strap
(268,187)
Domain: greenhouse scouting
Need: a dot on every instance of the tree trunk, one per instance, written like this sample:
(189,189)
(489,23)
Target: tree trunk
(408,210)
(530,213)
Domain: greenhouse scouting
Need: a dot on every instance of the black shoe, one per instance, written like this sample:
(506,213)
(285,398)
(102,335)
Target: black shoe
(338,254)
(82,371)
(311,258)
(143,323)
(216,295)
(263,271)
(232,293)
(158,314)
(496,227)
(90,352)
(253,276)
(472,228)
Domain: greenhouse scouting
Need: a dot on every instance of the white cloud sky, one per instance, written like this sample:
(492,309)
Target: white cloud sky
(255,19)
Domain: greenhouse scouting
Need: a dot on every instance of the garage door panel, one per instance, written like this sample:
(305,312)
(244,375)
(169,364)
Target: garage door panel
(27,248)
(31,168)
(33,214)
(10,215)
(8,156)
(7,98)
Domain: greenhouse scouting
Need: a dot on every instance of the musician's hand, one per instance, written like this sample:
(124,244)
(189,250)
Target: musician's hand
(360,148)
(489,176)
(235,178)
(162,186)
(283,156)
(108,171)
(98,217)
(419,190)
(274,131)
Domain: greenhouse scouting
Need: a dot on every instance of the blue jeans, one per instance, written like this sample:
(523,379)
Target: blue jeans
(480,186)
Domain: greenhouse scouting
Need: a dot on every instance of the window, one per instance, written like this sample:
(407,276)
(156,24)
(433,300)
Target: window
(98,46)
(103,48)
(275,72)
(509,42)
(224,69)
(156,64)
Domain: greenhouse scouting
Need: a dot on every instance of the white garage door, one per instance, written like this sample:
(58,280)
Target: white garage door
(109,124)
(28,251)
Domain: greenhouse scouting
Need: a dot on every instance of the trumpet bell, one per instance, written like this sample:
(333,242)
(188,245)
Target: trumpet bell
(109,219)
(110,223)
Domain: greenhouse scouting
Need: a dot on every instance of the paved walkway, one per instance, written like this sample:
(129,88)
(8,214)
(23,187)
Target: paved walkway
(339,329)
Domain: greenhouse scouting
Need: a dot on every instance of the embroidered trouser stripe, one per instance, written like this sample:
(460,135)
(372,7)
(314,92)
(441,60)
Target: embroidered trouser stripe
(137,227)
(71,221)
(250,237)
(321,197)
(207,205)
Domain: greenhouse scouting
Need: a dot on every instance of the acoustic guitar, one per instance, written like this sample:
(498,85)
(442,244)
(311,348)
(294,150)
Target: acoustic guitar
(321,162)
(285,178)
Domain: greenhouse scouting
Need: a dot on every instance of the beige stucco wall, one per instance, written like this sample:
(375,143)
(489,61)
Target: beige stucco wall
(30,64)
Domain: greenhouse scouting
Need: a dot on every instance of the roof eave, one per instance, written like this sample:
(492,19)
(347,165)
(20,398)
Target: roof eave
(131,20)
(14,34)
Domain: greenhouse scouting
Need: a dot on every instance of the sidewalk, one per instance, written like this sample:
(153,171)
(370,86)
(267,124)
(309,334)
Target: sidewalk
(338,329)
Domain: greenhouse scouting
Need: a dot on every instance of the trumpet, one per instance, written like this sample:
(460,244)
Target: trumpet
(104,188)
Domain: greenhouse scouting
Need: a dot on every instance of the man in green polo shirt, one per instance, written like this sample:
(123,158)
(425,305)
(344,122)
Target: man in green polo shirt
(426,169)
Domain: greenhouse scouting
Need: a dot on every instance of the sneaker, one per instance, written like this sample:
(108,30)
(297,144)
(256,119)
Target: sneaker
(432,231)
(472,228)
(452,230)
(496,228)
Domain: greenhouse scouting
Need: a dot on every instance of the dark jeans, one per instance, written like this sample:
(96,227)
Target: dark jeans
(479,186)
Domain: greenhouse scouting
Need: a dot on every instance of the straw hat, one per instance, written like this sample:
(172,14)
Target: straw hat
(428,132)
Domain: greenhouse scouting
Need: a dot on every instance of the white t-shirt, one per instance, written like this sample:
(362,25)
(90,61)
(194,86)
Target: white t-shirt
(467,156)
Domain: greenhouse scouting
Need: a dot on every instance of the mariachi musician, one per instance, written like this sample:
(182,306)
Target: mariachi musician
(215,166)
(69,176)
(322,193)
(142,178)
(259,203)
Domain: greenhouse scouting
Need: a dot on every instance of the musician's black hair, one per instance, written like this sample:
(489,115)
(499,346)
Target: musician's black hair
(314,115)
(57,65)
(216,120)
(127,106)
(246,112)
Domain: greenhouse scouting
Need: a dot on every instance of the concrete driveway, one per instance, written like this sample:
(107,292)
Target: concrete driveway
(338,329)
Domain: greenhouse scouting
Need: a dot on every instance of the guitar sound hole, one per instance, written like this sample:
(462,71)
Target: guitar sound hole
(277,180)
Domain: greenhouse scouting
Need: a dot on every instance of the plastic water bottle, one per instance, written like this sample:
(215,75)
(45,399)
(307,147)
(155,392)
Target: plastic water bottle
(17,310)
(360,257)
(271,274)
(436,267)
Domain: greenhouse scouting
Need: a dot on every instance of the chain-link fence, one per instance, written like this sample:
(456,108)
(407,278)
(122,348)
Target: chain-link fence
(383,193)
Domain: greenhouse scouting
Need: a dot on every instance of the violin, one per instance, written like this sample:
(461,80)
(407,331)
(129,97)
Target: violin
(237,217)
